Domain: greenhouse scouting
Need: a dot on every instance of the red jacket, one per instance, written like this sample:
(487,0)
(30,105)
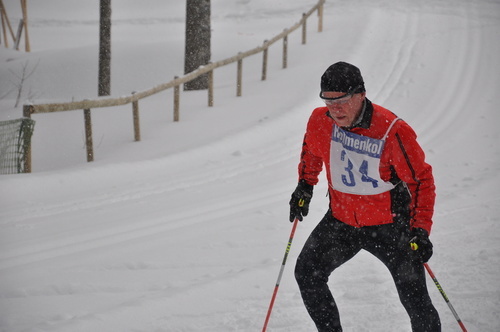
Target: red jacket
(402,161)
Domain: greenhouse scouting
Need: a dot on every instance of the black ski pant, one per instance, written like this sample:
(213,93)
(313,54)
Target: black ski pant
(332,243)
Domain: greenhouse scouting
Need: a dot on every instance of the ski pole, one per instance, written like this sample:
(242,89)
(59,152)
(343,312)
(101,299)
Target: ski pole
(414,246)
(280,274)
(441,290)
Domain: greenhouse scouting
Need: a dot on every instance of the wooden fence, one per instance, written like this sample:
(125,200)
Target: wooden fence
(134,97)
(23,24)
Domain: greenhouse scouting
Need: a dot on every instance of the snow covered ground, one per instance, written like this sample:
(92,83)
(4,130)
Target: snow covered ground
(186,230)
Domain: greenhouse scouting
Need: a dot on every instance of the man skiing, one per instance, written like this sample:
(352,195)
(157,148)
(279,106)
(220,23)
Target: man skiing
(381,194)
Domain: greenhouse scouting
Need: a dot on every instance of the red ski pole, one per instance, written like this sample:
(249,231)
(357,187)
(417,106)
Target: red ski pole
(280,274)
(414,246)
(441,290)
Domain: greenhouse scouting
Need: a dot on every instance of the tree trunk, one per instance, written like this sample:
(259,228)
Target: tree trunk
(197,49)
(104,88)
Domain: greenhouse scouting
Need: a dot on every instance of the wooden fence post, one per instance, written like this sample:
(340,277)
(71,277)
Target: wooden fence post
(5,19)
(18,35)
(264,62)
(88,135)
(320,17)
(176,101)
(304,28)
(27,110)
(135,115)
(24,9)
(239,77)
(211,88)
(285,51)
(6,42)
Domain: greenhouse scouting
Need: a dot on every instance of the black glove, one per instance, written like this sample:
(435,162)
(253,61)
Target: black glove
(299,203)
(420,244)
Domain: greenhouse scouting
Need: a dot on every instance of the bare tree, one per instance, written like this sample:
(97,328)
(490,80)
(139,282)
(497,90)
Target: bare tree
(197,48)
(22,78)
(104,88)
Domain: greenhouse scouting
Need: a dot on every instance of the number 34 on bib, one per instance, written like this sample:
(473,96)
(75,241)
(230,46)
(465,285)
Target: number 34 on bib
(355,162)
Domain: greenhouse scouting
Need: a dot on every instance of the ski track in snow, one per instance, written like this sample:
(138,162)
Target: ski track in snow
(186,183)
(193,241)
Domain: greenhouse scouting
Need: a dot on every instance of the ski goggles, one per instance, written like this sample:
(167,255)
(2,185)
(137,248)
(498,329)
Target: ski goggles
(341,99)
(337,100)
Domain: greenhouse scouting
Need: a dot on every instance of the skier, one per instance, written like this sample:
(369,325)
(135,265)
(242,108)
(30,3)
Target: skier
(381,194)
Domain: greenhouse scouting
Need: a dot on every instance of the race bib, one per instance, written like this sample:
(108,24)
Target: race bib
(355,163)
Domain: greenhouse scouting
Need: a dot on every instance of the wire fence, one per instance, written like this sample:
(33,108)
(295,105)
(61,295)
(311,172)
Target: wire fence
(15,141)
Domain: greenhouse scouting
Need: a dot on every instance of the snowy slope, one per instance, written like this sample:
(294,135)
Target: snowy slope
(186,230)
